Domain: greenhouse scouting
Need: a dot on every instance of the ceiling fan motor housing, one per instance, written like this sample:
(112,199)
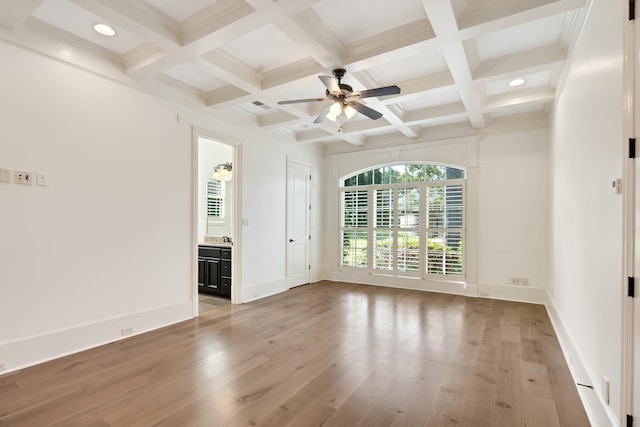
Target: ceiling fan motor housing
(346,90)
(339,73)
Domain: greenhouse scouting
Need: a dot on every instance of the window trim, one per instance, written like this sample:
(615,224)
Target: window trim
(422,230)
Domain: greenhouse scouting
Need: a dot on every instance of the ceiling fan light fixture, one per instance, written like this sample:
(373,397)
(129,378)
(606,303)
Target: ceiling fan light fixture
(104,29)
(334,111)
(349,111)
(516,82)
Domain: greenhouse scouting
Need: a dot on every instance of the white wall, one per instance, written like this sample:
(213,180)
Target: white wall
(106,245)
(264,209)
(587,217)
(514,210)
(507,210)
(110,243)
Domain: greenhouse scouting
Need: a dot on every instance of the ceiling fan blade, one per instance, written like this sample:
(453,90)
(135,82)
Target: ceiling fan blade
(299,101)
(381,91)
(332,84)
(363,109)
(322,115)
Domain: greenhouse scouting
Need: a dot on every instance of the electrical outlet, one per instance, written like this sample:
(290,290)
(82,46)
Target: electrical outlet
(127,331)
(515,281)
(23,177)
(524,281)
(3,366)
(5,175)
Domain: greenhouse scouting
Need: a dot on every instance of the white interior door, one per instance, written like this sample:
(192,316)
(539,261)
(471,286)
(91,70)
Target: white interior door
(298,216)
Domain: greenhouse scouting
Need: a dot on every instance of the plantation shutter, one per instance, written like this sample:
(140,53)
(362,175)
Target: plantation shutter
(215,199)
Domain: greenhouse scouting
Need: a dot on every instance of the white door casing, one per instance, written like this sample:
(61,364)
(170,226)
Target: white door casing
(631,191)
(298,218)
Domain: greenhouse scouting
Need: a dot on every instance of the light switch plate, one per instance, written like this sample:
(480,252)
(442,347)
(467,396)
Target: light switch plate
(5,175)
(42,178)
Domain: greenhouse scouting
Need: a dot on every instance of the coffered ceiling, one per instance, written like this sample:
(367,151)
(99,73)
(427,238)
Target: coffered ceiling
(452,59)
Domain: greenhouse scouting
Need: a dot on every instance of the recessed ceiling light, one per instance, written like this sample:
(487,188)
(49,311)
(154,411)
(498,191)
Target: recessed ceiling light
(105,30)
(516,82)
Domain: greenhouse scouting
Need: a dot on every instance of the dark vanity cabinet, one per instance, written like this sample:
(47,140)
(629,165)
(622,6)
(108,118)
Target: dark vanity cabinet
(214,270)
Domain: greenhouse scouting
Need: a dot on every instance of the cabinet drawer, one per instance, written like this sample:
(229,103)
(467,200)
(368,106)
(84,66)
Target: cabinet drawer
(225,268)
(225,287)
(226,253)
(208,252)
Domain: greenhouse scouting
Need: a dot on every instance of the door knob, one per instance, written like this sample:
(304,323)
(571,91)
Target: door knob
(291,240)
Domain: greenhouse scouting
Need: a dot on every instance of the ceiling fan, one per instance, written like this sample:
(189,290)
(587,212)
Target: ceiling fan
(344,104)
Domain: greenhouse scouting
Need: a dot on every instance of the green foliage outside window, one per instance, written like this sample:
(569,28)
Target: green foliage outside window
(395,174)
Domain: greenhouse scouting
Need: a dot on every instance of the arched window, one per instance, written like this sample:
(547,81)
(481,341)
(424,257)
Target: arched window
(404,220)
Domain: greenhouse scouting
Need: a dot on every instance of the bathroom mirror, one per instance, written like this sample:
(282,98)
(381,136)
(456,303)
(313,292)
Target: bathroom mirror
(215,196)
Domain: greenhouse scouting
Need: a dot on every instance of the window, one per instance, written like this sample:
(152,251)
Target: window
(354,228)
(215,199)
(404,220)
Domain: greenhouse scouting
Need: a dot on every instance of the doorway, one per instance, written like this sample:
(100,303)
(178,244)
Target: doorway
(216,197)
(298,222)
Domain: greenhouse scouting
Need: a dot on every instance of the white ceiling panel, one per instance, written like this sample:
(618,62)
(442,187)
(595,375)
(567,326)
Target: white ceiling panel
(355,20)
(431,100)
(533,34)
(75,20)
(520,109)
(190,74)
(530,80)
(182,9)
(265,49)
(427,62)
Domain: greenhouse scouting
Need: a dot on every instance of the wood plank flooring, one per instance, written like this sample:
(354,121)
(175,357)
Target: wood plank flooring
(326,354)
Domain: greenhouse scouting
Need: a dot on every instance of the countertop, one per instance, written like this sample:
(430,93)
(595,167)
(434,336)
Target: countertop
(216,245)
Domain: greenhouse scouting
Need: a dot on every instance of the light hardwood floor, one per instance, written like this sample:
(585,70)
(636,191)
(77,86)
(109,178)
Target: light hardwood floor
(327,354)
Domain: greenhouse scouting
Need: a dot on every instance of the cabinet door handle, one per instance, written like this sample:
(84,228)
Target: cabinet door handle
(291,240)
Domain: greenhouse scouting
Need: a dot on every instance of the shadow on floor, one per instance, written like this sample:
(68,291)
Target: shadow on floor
(209,302)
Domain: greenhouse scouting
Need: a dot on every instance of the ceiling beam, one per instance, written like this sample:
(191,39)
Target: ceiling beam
(221,14)
(14,12)
(308,31)
(391,45)
(478,21)
(537,95)
(444,23)
(531,61)
(392,113)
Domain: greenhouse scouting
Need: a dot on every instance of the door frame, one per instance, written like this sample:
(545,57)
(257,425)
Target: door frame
(630,358)
(291,159)
(236,248)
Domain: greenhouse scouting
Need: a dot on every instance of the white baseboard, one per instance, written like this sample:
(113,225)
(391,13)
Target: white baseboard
(263,290)
(600,414)
(33,350)
(316,276)
(482,290)
(417,284)
(513,293)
